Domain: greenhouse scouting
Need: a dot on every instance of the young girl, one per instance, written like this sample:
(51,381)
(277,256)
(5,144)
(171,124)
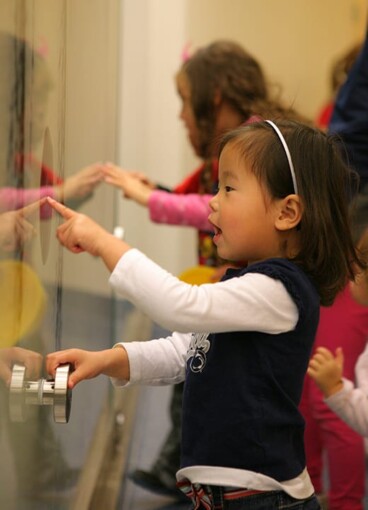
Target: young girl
(282,206)
(220,87)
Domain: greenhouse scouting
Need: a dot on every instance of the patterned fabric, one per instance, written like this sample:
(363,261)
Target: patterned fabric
(202,495)
(197,494)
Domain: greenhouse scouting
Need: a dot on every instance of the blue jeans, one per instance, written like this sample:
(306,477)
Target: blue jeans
(270,500)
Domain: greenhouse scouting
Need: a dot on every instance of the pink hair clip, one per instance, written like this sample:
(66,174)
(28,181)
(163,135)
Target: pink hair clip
(185,54)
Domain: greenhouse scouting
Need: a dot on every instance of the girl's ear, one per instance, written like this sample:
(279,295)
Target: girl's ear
(289,213)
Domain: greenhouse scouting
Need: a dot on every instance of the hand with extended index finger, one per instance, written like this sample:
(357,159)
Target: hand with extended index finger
(78,233)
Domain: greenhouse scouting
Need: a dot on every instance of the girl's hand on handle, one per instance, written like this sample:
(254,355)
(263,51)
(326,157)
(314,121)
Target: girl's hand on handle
(90,364)
(326,370)
(86,364)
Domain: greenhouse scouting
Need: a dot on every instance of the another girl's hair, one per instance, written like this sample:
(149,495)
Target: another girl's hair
(325,186)
(225,67)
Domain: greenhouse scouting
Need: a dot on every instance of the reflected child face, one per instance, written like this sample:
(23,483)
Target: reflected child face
(36,103)
(243,213)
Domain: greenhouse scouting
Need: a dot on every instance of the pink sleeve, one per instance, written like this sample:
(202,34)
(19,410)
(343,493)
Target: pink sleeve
(15,198)
(177,209)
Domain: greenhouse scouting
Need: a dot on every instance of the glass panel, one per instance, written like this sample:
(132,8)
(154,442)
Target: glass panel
(56,118)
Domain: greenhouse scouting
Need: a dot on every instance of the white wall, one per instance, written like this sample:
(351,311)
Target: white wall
(295,40)
(152,138)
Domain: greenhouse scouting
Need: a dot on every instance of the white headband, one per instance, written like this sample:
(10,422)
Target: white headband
(287,152)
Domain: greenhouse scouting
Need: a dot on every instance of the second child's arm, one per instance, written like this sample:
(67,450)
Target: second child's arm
(132,184)
(347,401)
(326,370)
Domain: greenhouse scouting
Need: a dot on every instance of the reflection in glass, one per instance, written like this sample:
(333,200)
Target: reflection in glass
(40,459)
(22,301)
(32,447)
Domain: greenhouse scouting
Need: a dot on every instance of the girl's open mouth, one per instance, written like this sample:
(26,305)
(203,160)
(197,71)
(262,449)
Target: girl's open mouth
(217,233)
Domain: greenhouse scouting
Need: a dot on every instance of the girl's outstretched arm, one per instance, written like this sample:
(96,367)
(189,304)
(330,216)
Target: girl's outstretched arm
(88,364)
(237,304)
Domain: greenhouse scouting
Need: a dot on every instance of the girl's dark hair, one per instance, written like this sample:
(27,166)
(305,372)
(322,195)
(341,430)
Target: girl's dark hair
(325,186)
(225,67)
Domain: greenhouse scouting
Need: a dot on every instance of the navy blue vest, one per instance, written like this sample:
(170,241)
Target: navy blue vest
(242,389)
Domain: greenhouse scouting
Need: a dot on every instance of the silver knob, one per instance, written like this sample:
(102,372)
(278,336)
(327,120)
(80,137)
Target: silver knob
(41,392)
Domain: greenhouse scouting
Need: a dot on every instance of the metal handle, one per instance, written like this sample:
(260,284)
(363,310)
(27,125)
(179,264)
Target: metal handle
(43,392)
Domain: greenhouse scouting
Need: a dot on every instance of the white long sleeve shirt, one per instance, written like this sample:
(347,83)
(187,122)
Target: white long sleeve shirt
(252,302)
